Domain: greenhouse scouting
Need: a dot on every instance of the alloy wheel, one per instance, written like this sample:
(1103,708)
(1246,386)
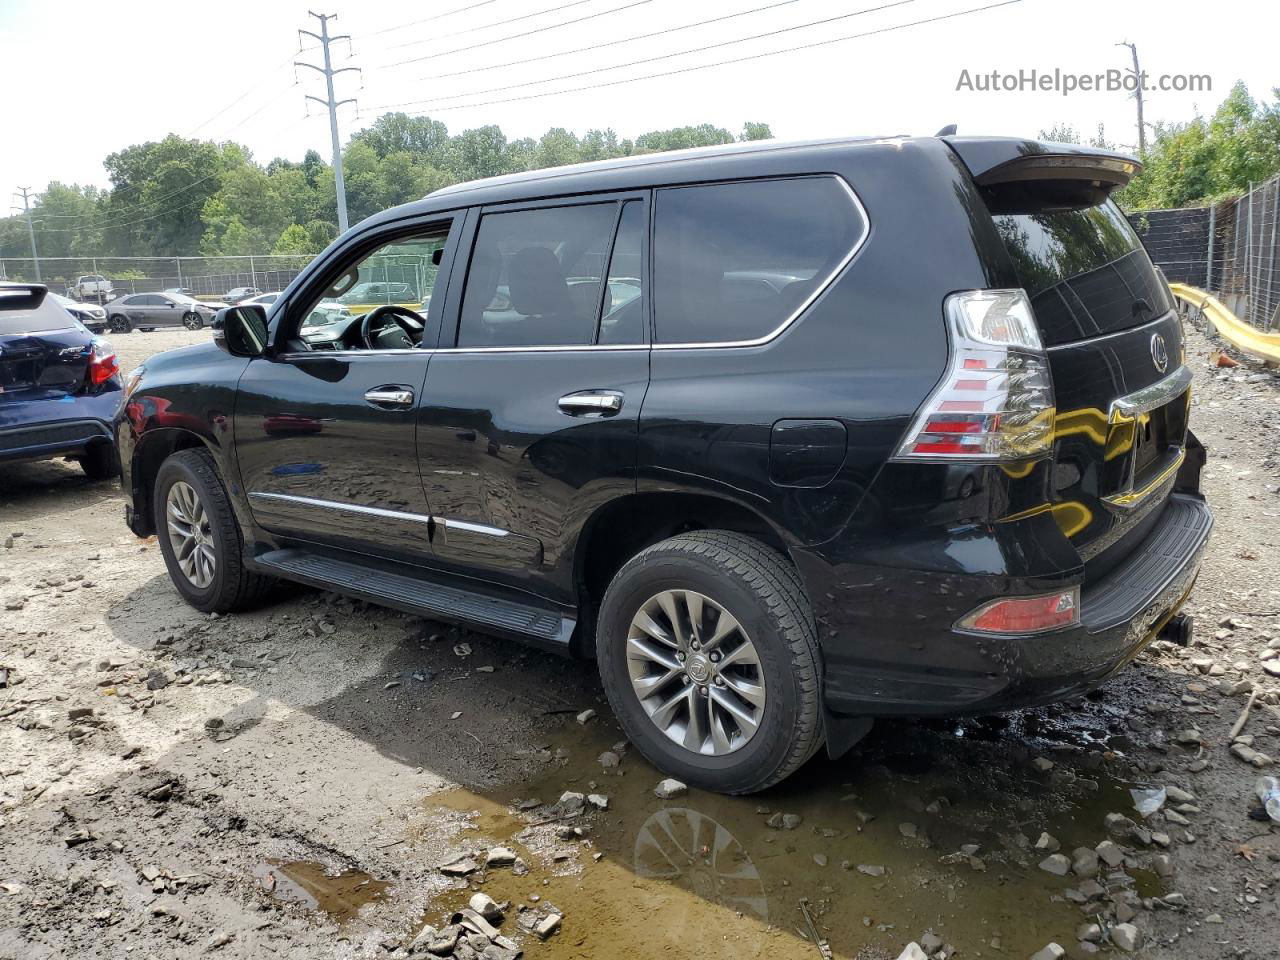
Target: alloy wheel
(696,672)
(190,534)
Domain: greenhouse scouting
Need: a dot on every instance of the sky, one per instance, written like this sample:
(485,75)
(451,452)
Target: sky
(84,79)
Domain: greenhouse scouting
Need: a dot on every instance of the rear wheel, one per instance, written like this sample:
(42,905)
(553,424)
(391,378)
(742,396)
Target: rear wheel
(200,537)
(709,656)
(99,461)
(193,321)
(119,323)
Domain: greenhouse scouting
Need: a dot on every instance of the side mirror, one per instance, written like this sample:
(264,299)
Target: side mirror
(241,331)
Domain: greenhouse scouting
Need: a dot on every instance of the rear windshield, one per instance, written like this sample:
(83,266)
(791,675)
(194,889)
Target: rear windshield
(48,316)
(1085,270)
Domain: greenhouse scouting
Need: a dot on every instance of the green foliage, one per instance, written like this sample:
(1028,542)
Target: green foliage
(180,197)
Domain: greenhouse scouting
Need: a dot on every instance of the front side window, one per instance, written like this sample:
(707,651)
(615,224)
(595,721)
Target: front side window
(735,261)
(536,277)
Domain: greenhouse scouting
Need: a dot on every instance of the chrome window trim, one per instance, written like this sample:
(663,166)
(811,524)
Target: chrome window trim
(818,291)
(336,505)
(1127,332)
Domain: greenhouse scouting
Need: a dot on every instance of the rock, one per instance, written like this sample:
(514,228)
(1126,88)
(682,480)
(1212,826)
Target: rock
(445,941)
(1162,865)
(1110,853)
(1255,758)
(499,857)
(1043,764)
(1084,862)
(871,870)
(609,760)
(571,803)
(487,907)
(669,789)
(157,679)
(598,800)
(1118,825)
(912,951)
(931,943)
(220,939)
(1057,864)
(1089,933)
(1187,738)
(586,716)
(1050,951)
(462,650)
(909,830)
(460,867)
(1214,918)
(791,821)
(1126,937)
(1048,844)
(547,925)
(820,859)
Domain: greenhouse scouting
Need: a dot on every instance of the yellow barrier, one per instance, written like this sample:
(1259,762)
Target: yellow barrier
(362,308)
(1265,346)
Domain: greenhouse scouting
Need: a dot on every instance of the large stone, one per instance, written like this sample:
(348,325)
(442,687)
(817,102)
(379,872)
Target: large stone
(547,925)
(669,789)
(1084,862)
(1048,843)
(1110,853)
(487,907)
(1050,951)
(1126,937)
(500,857)
(913,951)
(1057,864)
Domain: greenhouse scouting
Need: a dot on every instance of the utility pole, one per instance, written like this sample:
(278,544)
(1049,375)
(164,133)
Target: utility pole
(31,231)
(331,104)
(1137,95)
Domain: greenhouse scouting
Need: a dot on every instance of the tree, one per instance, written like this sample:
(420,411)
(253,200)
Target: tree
(295,239)
(756,131)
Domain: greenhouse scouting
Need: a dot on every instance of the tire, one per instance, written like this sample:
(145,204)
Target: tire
(193,321)
(99,461)
(231,585)
(758,587)
(119,324)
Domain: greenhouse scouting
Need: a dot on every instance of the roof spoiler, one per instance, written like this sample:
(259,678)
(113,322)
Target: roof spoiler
(996,160)
(22,296)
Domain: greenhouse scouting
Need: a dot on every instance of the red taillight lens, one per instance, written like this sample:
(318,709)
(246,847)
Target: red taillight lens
(1020,615)
(102,366)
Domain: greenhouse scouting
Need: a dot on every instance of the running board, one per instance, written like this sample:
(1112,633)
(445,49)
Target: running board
(540,625)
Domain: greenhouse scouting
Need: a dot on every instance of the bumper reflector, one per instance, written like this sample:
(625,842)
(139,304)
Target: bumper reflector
(1022,615)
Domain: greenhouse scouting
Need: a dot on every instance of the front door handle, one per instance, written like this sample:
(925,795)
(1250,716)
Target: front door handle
(591,403)
(390,397)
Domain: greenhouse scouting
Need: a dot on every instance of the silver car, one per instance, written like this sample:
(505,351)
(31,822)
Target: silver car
(147,311)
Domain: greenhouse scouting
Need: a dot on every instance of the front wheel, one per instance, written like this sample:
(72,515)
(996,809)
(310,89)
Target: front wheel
(193,321)
(709,656)
(119,323)
(199,536)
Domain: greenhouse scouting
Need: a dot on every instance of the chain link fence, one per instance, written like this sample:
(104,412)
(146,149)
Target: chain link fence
(209,277)
(1227,248)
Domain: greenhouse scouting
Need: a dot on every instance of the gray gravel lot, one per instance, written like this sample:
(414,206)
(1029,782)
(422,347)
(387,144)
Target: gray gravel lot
(289,782)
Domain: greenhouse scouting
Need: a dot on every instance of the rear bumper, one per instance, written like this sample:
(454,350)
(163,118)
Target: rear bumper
(40,441)
(959,673)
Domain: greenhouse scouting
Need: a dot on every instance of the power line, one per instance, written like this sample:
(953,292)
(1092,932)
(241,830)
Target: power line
(513,36)
(431,19)
(723,63)
(329,73)
(485,26)
(608,43)
(665,56)
(26,208)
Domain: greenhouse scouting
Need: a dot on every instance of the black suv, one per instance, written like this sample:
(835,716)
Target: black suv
(786,436)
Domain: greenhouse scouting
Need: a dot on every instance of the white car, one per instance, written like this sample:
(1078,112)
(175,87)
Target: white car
(91,286)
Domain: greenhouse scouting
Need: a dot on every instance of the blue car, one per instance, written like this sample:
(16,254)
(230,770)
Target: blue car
(60,386)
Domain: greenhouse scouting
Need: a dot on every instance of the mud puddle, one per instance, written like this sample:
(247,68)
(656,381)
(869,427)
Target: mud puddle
(340,895)
(921,829)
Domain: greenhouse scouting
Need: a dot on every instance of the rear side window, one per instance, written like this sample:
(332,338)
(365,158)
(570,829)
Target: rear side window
(736,261)
(536,277)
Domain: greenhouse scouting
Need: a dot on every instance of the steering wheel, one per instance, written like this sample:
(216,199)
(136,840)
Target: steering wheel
(391,327)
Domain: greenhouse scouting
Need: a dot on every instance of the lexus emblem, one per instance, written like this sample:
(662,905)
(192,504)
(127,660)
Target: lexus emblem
(1159,353)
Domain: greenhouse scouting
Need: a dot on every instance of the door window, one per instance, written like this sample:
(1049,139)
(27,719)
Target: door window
(736,261)
(622,312)
(536,277)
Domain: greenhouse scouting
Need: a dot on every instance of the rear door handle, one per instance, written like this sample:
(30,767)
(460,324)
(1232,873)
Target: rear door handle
(591,403)
(390,397)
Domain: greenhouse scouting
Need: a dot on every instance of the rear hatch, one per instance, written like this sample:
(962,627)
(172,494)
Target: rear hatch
(1113,338)
(44,353)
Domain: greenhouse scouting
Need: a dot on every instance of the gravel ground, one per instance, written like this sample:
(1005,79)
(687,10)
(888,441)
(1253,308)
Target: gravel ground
(289,782)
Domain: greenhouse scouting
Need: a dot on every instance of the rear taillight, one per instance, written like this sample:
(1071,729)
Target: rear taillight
(103,364)
(995,402)
(1022,615)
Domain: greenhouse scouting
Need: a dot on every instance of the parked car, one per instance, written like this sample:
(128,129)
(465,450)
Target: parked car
(239,294)
(378,292)
(786,437)
(93,318)
(147,311)
(92,287)
(60,386)
(185,291)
